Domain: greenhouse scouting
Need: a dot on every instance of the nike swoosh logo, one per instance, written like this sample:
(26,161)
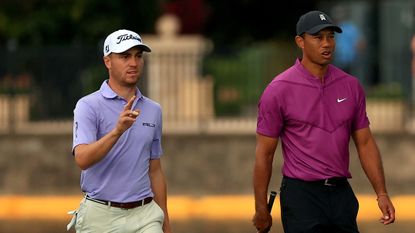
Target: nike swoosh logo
(341,100)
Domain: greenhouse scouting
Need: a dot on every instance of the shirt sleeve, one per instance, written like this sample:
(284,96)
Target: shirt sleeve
(156,149)
(360,120)
(84,128)
(270,118)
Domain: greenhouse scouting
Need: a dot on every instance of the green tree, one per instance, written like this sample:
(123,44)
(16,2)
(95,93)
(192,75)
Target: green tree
(41,22)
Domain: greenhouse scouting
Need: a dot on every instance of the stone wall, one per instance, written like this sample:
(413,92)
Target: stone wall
(194,164)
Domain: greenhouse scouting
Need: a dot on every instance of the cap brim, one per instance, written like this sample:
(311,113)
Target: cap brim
(128,46)
(145,48)
(318,28)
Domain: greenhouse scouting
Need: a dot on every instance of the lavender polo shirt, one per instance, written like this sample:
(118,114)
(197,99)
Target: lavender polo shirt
(313,120)
(122,175)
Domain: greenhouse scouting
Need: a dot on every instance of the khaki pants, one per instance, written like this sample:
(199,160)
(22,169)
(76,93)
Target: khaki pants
(92,217)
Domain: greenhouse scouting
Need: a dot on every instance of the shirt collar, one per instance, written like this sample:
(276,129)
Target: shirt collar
(108,93)
(309,76)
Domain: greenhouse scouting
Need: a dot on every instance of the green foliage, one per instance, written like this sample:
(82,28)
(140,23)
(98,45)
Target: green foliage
(92,78)
(240,77)
(390,91)
(40,22)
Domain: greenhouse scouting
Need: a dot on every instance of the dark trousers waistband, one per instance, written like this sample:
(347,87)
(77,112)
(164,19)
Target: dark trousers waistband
(315,206)
(333,181)
(125,205)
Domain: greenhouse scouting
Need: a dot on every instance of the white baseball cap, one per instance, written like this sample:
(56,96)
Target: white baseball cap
(122,40)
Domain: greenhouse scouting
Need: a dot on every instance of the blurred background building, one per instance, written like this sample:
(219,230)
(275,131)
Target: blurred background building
(211,61)
(51,56)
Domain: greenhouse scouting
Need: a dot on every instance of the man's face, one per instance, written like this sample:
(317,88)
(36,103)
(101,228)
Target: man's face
(126,67)
(318,48)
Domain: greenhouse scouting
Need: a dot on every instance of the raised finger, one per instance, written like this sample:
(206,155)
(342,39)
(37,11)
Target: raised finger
(129,105)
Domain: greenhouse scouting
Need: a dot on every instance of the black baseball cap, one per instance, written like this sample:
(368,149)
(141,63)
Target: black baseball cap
(314,21)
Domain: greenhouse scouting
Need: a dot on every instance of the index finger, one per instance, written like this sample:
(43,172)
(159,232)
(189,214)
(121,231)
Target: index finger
(129,105)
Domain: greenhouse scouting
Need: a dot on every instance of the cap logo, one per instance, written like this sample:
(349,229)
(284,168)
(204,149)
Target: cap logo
(322,17)
(107,48)
(124,37)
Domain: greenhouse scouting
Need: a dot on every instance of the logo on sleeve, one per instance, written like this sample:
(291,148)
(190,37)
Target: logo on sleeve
(76,129)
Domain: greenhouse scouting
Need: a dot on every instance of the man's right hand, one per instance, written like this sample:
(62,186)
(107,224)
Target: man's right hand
(87,155)
(127,117)
(262,221)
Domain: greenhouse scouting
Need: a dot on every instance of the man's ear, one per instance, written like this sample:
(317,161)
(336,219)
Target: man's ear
(299,40)
(107,61)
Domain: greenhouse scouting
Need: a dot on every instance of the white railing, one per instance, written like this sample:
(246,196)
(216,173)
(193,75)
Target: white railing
(175,81)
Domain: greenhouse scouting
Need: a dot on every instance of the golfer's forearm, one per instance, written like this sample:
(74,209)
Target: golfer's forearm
(373,168)
(158,183)
(372,165)
(262,176)
(87,155)
(159,188)
(370,159)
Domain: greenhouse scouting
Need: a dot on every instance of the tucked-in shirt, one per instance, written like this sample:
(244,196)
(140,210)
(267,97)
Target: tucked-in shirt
(122,175)
(314,120)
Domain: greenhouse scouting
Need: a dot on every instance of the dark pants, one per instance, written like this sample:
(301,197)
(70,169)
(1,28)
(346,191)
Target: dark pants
(313,207)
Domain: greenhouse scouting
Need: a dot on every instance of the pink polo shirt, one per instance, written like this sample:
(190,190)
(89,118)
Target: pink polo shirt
(314,120)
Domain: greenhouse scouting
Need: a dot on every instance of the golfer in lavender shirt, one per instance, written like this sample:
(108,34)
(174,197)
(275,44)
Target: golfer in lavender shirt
(314,108)
(117,144)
